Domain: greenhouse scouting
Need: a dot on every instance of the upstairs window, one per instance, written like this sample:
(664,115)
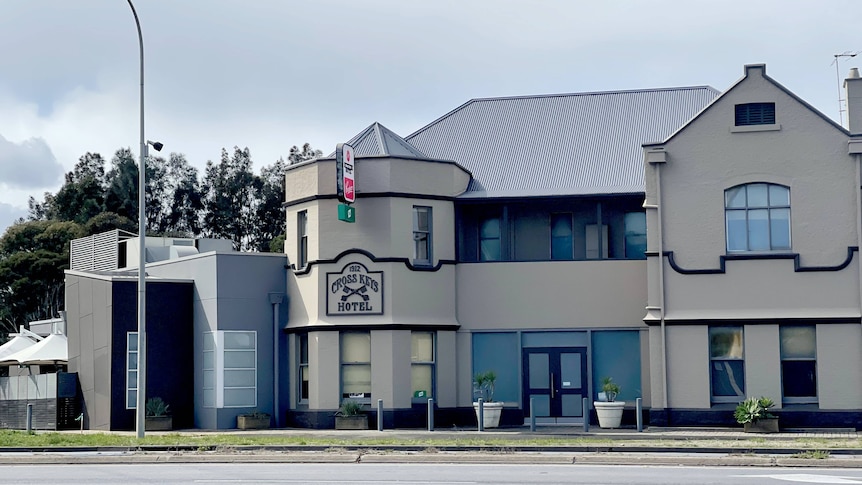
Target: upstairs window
(757,217)
(490,242)
(421,235)
(562,240)
(755,114)
(302,239)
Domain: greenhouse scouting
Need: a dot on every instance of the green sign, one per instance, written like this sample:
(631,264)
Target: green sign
(346,213)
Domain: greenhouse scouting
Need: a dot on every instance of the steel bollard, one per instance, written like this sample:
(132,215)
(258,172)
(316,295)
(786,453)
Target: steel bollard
(481,414)
(533,414)
(586,413)
(431,414)
(639,407)
(380,415)
(29,418)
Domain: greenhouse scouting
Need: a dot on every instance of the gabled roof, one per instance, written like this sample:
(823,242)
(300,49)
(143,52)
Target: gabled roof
(377,140)
(565,144)
(748,70)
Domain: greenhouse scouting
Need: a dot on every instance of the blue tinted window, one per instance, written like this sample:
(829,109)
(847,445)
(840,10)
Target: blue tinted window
(617,354)
(500,353)
(757,217)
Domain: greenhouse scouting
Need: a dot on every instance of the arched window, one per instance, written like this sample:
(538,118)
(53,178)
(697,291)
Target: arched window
(757,217)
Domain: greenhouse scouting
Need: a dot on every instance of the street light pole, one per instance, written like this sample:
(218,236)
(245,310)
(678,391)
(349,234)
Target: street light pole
(140,403)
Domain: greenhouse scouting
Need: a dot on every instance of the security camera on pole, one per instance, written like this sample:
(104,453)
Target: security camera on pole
(345,173)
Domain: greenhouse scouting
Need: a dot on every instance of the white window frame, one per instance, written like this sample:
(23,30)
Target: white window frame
(420,233)
(748,208)
(302,239)
(131,383)
(220,368)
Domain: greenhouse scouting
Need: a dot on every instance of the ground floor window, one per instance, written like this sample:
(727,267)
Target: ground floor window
(303,367)
(230,369)
(798,363)
(356,366)
(132,370)
(422,364)
(727,369)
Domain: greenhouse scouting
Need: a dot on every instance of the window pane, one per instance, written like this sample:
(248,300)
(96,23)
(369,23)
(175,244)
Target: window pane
(799,378)
(356,379)
(303,389)
(420,218)
(490,228)
(355,347)
(421,246)
(238,340)
(757,195)
(303,349)
(209,379)
(132,399)
(562,248)
(778,195)
(421,379)
(758,230)
(780,228)
(728,378)
(209,360)
(561,225)
(736,231)
(798,342)
(239,359)
(239,378)
(209,398)
(132,341)
(490,250)
(133,360)
(239,398)
(422,347)
(133,379)
(735,198)
(725,342)
(636,240)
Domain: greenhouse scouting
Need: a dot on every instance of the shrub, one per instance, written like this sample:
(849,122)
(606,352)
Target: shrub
(484,382)
(753,409)
(157,407)
(349,407)
(610,388)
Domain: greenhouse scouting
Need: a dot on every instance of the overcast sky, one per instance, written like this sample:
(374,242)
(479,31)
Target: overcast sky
(270,74)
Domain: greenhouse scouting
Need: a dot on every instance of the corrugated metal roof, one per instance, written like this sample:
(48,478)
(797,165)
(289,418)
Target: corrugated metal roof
(566,144)
(377,140)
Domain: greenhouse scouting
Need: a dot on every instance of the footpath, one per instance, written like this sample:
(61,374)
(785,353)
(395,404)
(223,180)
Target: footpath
(827,448)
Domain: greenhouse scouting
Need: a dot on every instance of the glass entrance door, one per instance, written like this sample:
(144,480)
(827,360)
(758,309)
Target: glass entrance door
(556,379)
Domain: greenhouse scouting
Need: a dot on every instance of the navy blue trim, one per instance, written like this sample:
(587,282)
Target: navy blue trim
(375,259)
(371,195)
(797,266)
(753,321)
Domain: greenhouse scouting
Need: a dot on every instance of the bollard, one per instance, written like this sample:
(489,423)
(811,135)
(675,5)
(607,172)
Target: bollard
(431,414)
(586,413)
(639,415)
(380,415)
(29,418)
(481,414)
(533,414)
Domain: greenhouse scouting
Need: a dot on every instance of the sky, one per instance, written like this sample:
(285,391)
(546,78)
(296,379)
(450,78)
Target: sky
(270,74)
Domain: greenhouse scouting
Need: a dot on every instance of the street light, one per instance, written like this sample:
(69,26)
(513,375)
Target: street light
(140,403)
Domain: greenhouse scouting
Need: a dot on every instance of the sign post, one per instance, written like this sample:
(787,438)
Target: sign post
(345,172)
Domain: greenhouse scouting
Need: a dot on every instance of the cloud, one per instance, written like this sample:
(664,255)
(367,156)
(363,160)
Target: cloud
(28,165)
(8,215)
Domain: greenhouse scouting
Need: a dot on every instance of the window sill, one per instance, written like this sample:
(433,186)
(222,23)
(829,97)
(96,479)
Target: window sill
(755,128)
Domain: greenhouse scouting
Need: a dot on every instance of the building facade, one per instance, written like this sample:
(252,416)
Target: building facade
(697,247)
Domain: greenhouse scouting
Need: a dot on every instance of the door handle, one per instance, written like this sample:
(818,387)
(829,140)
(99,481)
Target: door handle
(552,385)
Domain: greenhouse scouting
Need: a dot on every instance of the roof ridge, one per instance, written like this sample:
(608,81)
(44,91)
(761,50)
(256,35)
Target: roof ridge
(598,93)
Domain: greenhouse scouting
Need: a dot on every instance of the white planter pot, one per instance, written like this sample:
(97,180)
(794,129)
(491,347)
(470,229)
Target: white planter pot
(491,412)
(610,413)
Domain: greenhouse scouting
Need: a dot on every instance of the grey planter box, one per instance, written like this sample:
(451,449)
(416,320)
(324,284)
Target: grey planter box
(767,425)
(159,423)
(351,422)
(246,421)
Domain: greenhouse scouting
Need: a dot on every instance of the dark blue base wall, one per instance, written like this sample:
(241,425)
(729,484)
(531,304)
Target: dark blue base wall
(788,418)
(416,417)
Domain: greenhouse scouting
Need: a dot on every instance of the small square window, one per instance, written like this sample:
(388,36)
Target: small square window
(755,114)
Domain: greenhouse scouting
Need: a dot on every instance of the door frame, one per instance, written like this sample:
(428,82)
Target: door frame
(556,389)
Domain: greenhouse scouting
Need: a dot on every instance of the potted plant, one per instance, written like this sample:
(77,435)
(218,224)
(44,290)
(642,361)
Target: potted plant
(156,415)
(608,409)
(255,420)
(754,415)
(350,416)
(483,387)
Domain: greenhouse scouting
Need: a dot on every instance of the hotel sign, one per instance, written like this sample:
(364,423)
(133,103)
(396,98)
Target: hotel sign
(354,291)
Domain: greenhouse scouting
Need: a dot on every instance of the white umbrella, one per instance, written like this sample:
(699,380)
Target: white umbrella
(18,343)
(52,350)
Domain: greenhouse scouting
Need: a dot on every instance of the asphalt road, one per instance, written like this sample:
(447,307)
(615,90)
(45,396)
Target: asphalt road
(414,474)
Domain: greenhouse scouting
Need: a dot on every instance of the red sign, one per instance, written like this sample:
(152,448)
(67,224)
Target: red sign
(345,173)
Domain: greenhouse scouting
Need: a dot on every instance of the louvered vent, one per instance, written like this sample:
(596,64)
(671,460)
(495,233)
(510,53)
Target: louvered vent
(755,114)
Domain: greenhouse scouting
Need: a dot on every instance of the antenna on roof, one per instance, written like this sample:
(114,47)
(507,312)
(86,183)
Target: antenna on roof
(836,61)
